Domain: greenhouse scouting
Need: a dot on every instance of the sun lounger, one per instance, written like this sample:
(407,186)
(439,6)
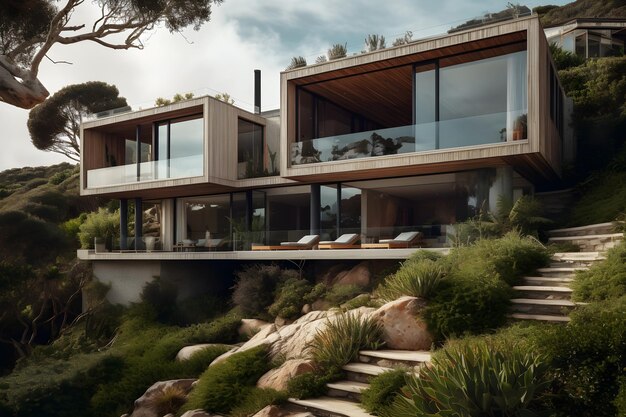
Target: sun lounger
(345,241)
(403,240)
(307,242)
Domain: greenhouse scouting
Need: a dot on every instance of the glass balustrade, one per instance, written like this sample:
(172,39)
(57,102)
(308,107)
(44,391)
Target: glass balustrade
(184,167)
(445,134)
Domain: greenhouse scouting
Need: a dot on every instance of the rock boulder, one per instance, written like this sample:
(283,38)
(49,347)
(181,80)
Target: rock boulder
(147,404)
(278,378)
(403,329)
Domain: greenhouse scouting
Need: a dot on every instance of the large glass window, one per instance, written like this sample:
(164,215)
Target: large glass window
(207,221)
(482,101)
(350,209)
(288,216)
(328,212)
(251,151)
(425,107)
(180,148)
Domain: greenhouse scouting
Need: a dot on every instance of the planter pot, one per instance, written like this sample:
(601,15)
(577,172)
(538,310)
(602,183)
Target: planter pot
(99,244)
(150,242)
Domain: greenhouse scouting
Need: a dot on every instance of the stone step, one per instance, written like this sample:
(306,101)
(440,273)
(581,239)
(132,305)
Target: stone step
(539,317)
(346,389)
(591,243)
(578,256)
(548,281)
(543,292)
(591,229)
(331,407)
(567,272)
(403,356)
(363,372)
(541,306)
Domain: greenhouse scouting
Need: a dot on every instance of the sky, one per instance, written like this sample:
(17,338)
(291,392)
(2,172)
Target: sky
(242,35)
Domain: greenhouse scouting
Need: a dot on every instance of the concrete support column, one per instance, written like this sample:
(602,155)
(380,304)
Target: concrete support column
(123,224)
(315,209)
(167,224)
(502,186)
(138,224)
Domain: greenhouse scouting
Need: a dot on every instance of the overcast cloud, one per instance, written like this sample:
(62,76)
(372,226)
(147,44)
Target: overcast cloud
(243,35)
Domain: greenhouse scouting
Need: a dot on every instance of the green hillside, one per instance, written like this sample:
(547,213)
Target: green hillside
(581,8)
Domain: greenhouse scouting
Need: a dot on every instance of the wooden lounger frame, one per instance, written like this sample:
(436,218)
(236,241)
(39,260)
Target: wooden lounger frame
(282,247)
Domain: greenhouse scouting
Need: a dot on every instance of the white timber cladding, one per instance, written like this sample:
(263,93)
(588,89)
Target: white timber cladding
(542,139)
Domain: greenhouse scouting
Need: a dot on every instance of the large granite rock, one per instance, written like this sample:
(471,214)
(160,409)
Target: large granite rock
(250,327)
(188,351)
(146,405)
(291,341)
(403,329)
(278,378)
(358,275)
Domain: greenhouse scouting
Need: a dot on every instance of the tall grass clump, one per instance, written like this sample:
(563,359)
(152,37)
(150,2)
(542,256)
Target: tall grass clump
(417,278)
(475,381)
(344,336)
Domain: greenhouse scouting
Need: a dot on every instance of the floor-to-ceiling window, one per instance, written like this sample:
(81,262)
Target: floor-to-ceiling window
(180,149)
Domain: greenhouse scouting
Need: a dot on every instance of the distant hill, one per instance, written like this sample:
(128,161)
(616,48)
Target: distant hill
(581,8)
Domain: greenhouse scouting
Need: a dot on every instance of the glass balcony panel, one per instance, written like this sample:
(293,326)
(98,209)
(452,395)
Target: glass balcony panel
(184,167)
(481,129)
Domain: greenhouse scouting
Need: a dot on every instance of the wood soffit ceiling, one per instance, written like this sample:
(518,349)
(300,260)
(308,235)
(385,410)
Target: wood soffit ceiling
(382,91)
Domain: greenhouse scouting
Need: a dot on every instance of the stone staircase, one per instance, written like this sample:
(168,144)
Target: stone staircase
(342,399)
(547,296)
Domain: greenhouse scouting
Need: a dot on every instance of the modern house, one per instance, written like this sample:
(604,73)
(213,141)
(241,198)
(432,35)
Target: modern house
(409,138)
(589,37)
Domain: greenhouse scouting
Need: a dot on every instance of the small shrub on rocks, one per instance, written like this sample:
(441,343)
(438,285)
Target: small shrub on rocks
(383,390)
(226,385)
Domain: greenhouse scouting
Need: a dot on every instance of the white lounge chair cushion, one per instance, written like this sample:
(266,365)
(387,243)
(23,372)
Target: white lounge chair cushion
(346,238)
(402,237)
(307,240)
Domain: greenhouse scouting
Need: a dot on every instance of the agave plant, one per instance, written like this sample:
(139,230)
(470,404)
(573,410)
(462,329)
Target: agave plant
(476,381)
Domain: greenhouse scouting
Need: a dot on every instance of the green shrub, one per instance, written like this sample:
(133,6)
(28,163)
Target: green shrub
(255,287)
(224,386)
(511,256)
(291,296)
(312,384)
(415,278)
(343,337)
(340,293)
(101,223)
(472,302)
(587,358)
(161,296)
(256,400)
(478,381)
(383,390)
(604,280)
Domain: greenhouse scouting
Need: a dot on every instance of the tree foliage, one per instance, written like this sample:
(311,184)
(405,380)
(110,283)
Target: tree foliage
(54,125)
(598,89)
(30,28)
